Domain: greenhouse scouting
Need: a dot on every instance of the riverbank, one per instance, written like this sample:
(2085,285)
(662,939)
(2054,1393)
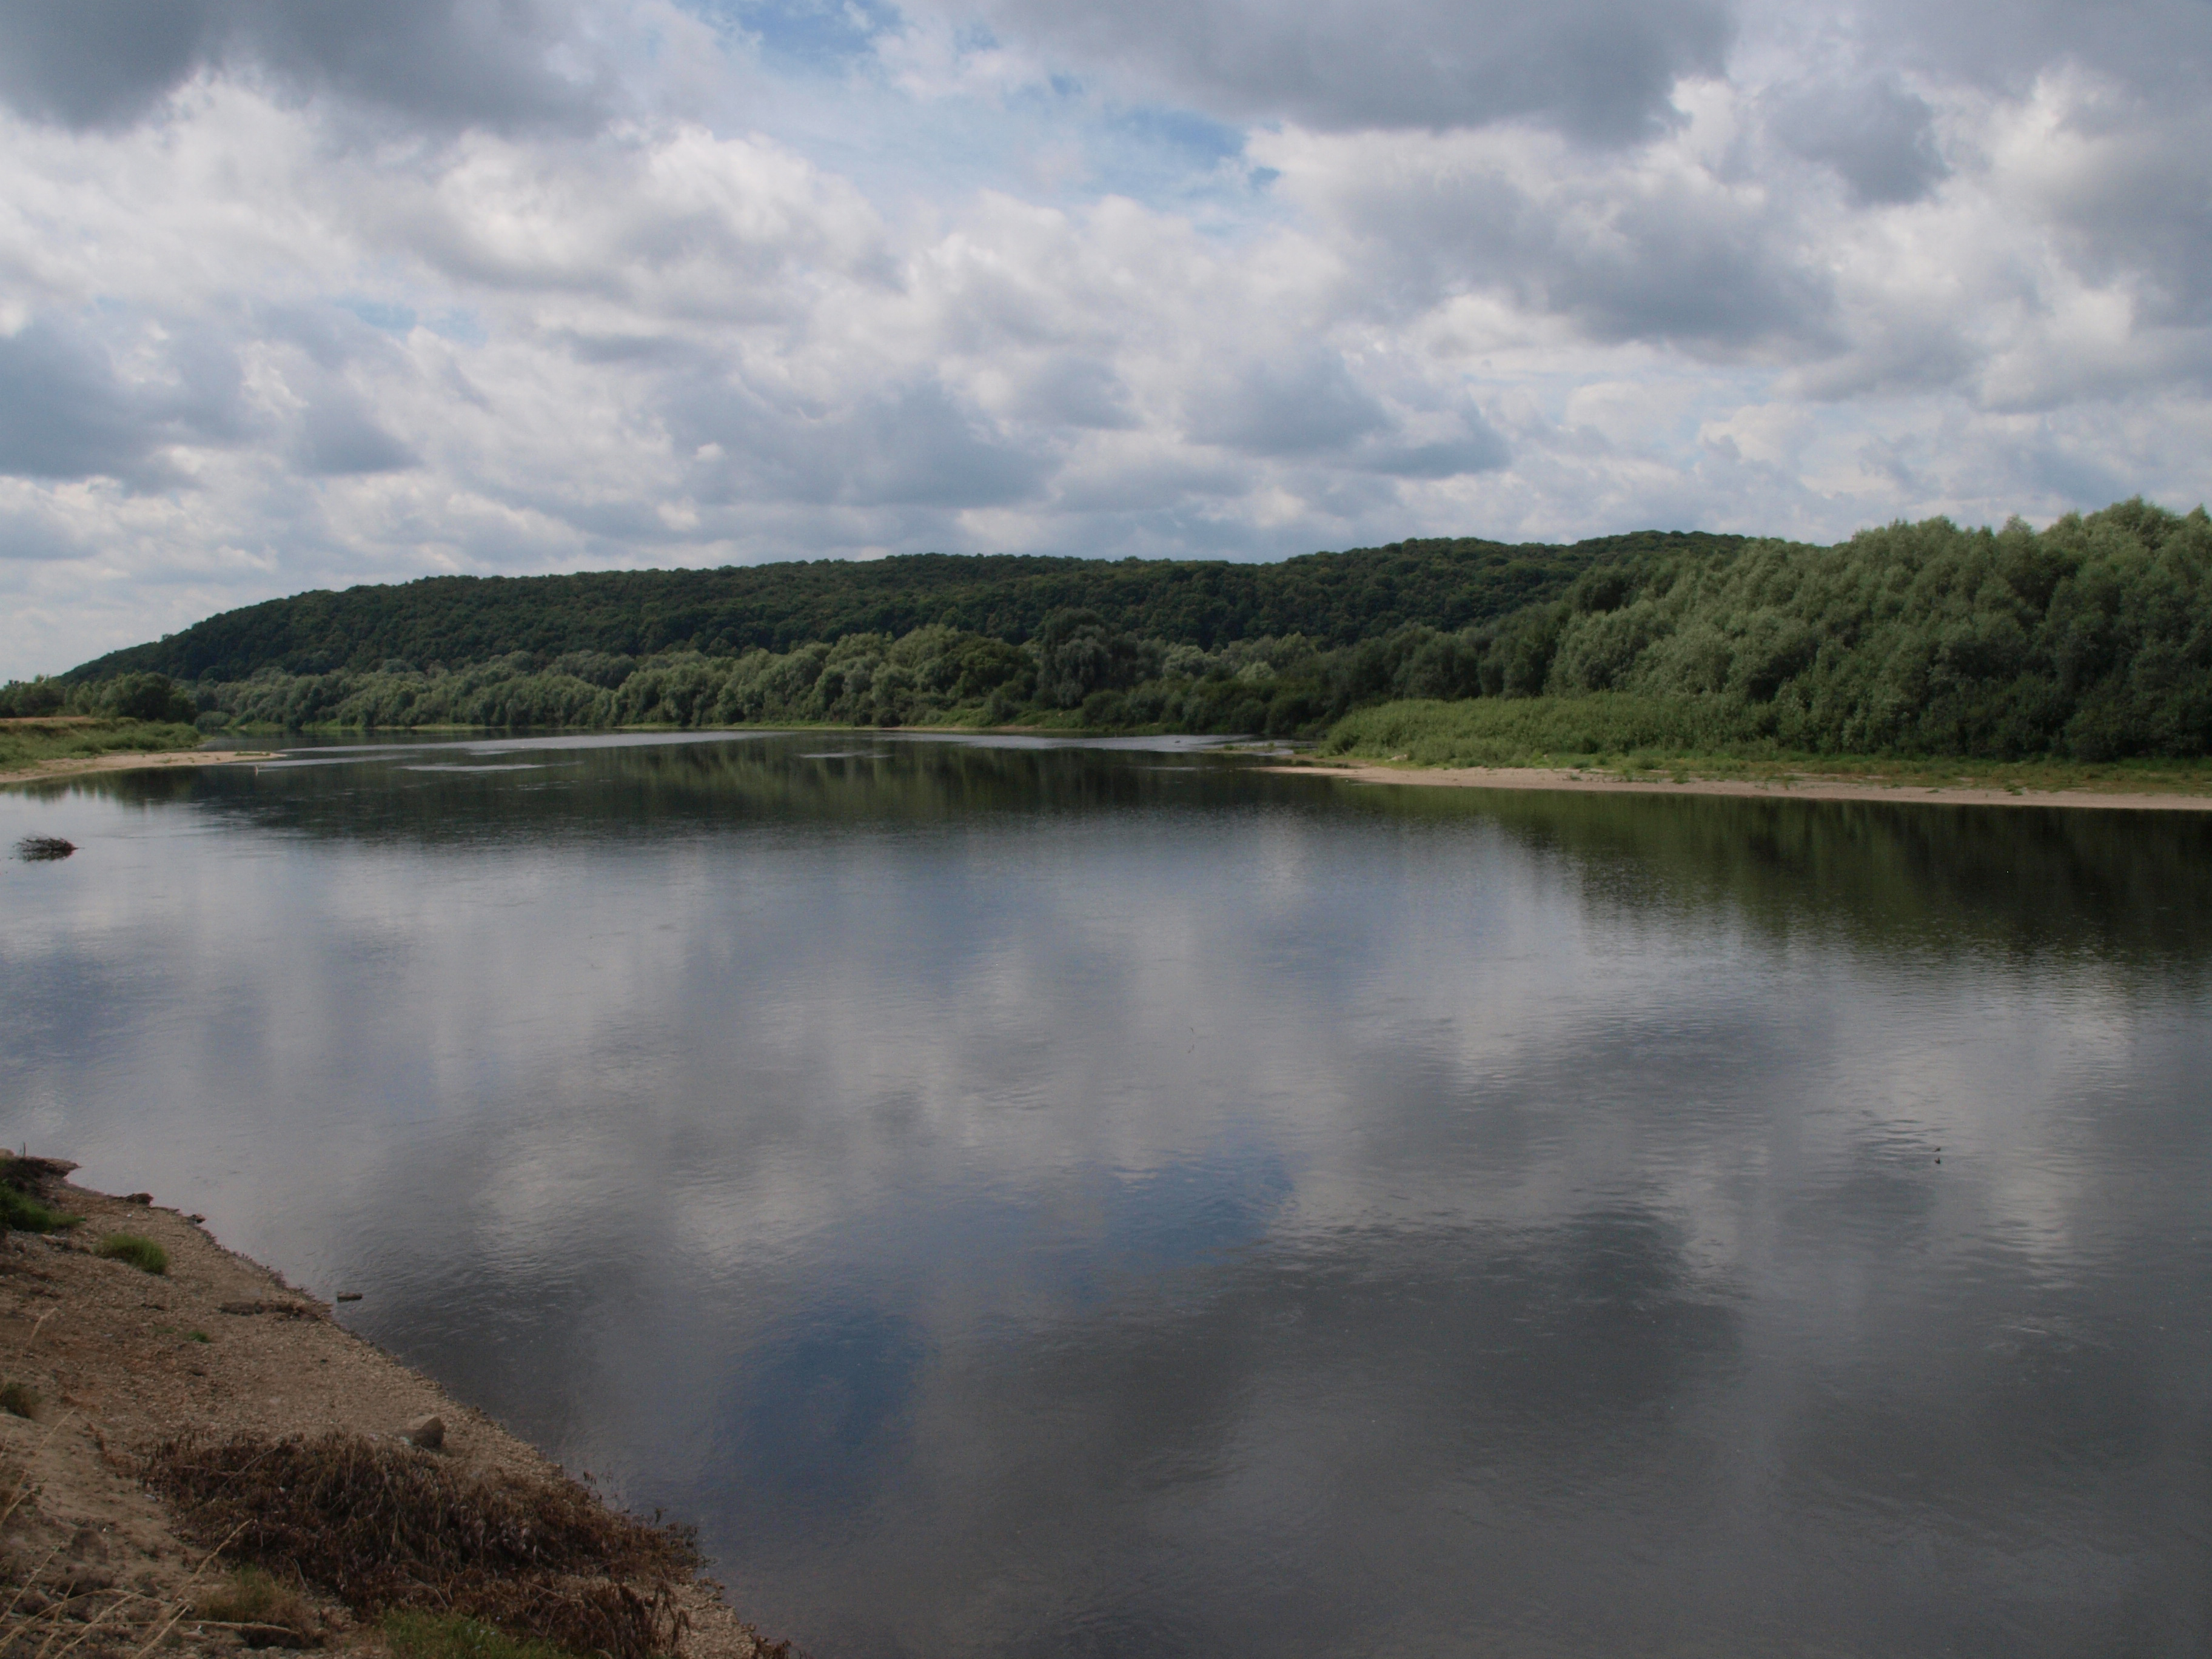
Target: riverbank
(106,1364)
(76,765)
(1776,784)
(32,750)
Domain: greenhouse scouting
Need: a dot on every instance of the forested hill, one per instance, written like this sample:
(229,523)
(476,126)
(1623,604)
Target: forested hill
(1331,598)
(2091,639)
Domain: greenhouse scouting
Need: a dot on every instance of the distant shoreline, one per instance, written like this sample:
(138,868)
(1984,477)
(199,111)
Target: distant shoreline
(1575,780)
(1555,779)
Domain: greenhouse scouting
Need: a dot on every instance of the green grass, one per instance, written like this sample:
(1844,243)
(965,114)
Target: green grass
(141,1252)
(1543,731)
(20,1213)
(25,744)
(450,1636)
(1686,737)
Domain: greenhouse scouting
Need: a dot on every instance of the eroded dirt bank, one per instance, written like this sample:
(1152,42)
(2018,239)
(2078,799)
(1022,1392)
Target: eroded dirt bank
(110,1361)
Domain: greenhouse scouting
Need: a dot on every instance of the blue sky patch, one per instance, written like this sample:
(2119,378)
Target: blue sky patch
(381,315)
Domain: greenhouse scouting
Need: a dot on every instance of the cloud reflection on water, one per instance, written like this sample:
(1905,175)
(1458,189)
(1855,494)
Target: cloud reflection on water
(1020,1199)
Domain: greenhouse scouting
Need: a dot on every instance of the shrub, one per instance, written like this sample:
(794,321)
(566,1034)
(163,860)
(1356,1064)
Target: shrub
(148,697)
(22,1194)
(24,1213)
(141,1252)
(1519,731)
(386,1527)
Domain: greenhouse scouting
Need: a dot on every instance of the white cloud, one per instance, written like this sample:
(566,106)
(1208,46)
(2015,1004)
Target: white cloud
(619,286)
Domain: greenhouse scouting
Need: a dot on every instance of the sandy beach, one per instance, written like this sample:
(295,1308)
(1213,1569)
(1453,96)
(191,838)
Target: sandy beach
(73,765)
(1798,788)
(111,1361)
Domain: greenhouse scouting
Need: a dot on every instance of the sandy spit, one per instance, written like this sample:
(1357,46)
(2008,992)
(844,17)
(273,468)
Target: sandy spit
(1801,788)
(70,765)
(120,1359)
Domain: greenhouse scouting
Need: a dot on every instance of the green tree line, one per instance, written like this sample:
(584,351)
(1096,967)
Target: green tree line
(1334,598)
(148,697)
(2092,638)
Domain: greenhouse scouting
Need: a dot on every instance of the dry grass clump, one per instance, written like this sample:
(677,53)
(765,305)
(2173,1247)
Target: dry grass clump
(450,1636)
(264,1613)
(381,1526)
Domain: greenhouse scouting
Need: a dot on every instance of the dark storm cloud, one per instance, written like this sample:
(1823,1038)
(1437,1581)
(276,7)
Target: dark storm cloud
(339,436)
(65,413)
(62,413)
(2138,206)
(1622,259)
(2135,206)
(911,447)
(26,537)
(1673,273)
(2161,48)
(1298,407)
(1603,69)
(1479,449)
(447,63)
(1309,407)
(1076,392)
(1878,138)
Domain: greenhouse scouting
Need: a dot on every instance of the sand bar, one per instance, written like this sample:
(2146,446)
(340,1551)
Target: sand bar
(69,766)
(1807,787)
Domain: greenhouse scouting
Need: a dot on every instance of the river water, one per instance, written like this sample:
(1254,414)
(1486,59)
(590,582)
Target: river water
(1107,1200)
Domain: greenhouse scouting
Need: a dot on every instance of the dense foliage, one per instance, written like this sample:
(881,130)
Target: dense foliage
(1075,672)
(1334,598)
(134,696)
(2092,638)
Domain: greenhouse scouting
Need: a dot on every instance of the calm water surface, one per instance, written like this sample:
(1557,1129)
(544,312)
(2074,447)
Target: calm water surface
(1032,1200)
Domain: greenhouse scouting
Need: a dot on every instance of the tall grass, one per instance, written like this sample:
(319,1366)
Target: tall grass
(21,1212)
(141,1252)
(23,1208)
(25,744)
(1604,726)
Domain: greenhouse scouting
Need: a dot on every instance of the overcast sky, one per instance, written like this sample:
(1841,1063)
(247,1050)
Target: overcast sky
(304,293)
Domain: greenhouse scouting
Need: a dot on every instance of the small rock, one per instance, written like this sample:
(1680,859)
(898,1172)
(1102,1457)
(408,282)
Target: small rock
(427,1432)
